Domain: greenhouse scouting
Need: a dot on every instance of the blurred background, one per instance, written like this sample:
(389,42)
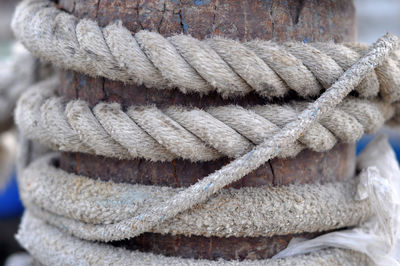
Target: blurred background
(10,205)
(374,19)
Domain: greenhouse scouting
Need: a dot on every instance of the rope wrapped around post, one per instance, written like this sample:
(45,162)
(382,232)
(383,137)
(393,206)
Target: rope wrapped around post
(251,136)
(182,132)
(227,66)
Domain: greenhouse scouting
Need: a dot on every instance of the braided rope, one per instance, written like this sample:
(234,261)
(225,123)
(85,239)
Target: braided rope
(181,132)
(227,66)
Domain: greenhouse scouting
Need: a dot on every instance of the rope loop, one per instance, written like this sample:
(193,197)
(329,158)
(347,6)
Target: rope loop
(321,74)
(216,64)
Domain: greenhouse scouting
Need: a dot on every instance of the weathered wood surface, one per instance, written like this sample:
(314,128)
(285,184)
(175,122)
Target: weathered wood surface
(279,20)
(237,248)
(336,165)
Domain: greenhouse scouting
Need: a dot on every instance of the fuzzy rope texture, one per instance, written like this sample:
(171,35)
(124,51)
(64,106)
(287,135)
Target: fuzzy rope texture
(78,202)
(378,155)
(51,246)
(198,193)
(229,67)
(182,132)
(216,64)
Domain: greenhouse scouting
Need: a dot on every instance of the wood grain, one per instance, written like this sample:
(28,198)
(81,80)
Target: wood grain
(337,164)
(237,248)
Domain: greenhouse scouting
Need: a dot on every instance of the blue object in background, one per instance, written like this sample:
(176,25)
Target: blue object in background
(394,142)
(10,203)
(11,206)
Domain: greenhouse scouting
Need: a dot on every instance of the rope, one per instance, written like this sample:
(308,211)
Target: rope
(36,235)
(264,211)
(53,247)
(76,251)
(152,216)
(216,64)
(252,136)
(183,132)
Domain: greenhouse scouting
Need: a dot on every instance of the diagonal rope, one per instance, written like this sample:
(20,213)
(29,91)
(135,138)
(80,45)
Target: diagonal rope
(238,168)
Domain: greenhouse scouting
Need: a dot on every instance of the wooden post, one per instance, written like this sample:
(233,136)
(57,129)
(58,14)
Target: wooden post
(278,20)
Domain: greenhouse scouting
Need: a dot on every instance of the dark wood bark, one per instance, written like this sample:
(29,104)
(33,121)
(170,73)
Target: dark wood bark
(307,167)
(279,20)
(237,248)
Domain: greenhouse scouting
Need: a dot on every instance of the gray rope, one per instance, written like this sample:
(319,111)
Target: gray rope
(227,66)
(53,247)
(264,211)
(198,193)
(181,132)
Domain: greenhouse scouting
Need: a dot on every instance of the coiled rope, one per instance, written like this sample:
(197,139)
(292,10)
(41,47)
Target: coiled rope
(227,66)
(53,247)
(253,137)
(178,132)
(264,211)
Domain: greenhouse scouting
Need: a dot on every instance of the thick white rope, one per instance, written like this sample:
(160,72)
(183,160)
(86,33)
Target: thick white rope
(386,73)
(264,211)
(376,238)
(202,190)
(227,66)
(51,246)
(230,67)
(183,132)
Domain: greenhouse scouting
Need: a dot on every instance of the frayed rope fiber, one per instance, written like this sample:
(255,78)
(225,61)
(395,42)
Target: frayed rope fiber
(216,64)
(53,247)
(182,132)
(251,135)
(264,211)
(202,190)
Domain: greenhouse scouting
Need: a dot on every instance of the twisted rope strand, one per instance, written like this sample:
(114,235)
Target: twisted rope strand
(182,132)
(153,216)
(216,64)
(227,66)
(387,73)
(345,58)
(209,185)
